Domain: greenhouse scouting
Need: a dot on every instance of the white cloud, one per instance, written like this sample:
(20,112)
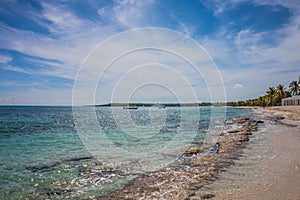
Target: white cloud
(71,38)
(237,85)
(41,62)
(244,57)
(18,84)
(37,97)
(132,13)
(69,43)
(5,59)
(16,69)
(185,29)
(164,42)
(63,20)
(220,6)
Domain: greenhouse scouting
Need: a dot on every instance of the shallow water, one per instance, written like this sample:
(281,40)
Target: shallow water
(44,156)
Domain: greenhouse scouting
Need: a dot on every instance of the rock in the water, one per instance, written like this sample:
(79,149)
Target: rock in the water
(243,138)
(55,191)
(240,120)
(234,131)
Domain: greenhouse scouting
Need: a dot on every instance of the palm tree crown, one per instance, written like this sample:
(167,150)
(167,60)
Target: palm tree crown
(294,87)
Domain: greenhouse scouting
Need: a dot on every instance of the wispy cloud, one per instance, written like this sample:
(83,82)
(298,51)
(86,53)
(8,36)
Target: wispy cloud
(33,96)
(43,62)
(237,85)
(16,69)
(132,13)
(18,84)
(5,59)
(185,29)
(63,20)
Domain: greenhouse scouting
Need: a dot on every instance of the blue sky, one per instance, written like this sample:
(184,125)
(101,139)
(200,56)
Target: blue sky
(255,44)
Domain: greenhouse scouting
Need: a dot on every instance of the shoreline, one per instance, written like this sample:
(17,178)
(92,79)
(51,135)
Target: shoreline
(184,180)
(267,167)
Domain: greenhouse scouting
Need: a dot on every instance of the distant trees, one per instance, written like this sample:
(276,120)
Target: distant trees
(273,96)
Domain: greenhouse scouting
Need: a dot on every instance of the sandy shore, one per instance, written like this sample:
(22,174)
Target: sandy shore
(270,166)
(288,112)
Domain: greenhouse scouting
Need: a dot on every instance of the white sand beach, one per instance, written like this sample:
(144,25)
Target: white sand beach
(270,165)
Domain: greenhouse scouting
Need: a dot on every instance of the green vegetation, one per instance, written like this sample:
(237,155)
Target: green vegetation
(273,96)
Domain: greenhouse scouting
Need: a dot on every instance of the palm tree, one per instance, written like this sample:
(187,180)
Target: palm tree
(261,101)
(294,87)
(271,95)
(280,90)
(281,94)
(271,91)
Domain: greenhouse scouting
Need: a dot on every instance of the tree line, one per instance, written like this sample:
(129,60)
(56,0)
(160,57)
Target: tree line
(273,96)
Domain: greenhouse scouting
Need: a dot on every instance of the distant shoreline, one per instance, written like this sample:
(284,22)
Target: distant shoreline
(139,104)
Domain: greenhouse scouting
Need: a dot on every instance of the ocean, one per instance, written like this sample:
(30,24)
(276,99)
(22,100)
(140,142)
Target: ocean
(56,152)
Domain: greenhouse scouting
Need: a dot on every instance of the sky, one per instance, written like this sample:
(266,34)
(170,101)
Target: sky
(44,44)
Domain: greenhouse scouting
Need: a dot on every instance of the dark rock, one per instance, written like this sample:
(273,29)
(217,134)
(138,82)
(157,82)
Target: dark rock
(49,166)
(79,158)
(43,167)
(196,187)
(215,148)
(192,194)
(243,138)
(197,142)
(247,132)
(193,151)
(208,196)
(55,191)
(234,131)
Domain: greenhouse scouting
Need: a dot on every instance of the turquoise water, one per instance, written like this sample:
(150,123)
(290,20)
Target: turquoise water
(42,155)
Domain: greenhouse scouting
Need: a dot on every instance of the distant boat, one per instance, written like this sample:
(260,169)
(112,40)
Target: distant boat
(130,107)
